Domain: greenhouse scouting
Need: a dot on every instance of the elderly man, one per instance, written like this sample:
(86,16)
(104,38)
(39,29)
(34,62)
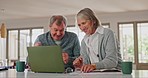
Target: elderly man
(59,36)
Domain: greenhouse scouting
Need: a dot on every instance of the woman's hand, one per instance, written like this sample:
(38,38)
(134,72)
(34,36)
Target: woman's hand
(65,57)
(78,62)
(88,68)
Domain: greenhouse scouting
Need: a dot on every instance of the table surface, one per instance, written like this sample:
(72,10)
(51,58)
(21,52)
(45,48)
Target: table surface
(11,73)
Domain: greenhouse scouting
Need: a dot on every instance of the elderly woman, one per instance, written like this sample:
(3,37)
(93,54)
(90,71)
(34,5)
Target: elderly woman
(99,47)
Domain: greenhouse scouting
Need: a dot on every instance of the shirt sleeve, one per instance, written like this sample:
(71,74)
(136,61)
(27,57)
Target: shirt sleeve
(75,51)
(37,40)
(76,48)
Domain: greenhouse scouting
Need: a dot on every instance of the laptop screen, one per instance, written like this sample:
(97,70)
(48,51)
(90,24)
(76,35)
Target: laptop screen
(46,59)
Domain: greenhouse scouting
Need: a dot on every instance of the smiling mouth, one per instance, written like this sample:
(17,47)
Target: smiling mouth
(58,36)
(85,30)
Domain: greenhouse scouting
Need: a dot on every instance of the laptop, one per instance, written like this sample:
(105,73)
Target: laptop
(46,59)
(3,68)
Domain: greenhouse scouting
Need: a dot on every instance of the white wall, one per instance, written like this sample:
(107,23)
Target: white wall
(112,18)
(26,23)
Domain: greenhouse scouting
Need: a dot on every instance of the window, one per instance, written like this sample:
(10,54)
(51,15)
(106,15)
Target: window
(126,41)
(134,43)
(13,44)
(35,33)
(142,42)
(19,40)
(24,41)
(2,50)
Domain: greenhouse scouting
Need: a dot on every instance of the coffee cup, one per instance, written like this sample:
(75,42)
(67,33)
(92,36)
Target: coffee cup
(126,67)
(20,66)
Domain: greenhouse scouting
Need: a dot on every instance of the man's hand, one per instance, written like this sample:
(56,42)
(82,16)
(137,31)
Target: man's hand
(65,57)
(38,44)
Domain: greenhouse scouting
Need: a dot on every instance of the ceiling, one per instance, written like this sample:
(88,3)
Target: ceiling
(22,9)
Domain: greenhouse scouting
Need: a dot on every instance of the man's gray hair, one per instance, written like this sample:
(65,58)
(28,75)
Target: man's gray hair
(59,19)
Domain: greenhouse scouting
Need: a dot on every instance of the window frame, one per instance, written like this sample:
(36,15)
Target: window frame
(19,29)
(139,66)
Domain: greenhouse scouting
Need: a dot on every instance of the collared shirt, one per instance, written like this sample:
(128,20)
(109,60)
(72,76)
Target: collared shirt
(109,55)
(92,44)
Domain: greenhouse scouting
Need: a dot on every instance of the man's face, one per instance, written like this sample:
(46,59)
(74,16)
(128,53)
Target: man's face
(57,32)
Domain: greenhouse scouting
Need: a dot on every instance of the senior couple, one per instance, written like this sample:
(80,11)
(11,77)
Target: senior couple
(99,47)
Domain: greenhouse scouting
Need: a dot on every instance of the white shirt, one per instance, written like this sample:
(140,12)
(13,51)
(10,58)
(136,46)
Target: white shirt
(92,44)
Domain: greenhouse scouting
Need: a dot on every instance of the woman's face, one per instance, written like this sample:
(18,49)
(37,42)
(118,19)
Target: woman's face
(85,25)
